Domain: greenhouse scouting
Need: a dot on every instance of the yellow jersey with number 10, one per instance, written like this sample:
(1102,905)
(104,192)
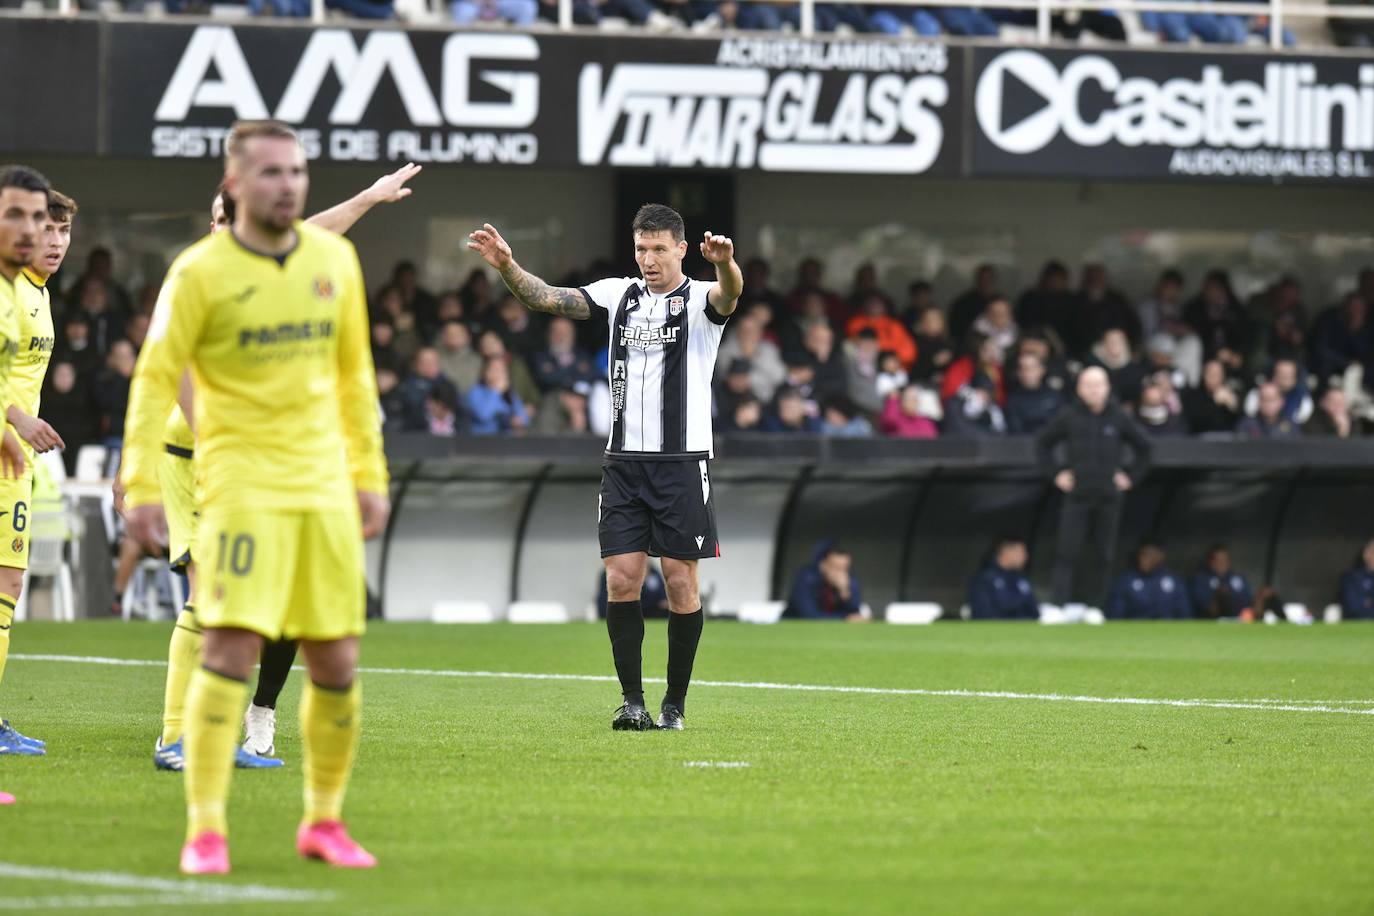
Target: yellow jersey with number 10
(286,394)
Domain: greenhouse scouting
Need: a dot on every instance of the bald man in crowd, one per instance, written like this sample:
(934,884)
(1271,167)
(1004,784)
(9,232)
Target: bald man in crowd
(1084,450)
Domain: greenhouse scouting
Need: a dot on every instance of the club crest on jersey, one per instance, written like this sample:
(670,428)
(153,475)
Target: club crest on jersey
(17,545)
(324,288)
(675,305)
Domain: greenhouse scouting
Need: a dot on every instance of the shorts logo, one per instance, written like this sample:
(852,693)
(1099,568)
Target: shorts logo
(324,288)
(675,306)
(700,540)
(17,545)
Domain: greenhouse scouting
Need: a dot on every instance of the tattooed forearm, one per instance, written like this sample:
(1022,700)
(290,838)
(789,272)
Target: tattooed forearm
(541,297)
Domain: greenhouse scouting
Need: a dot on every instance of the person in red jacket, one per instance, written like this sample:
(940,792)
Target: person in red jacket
(892,334)
(982,356)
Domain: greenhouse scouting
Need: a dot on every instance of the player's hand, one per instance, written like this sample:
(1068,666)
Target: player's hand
(148,526)
(1123,482)
(488,243)
(12,456)
(37,433)
(375,509)
(718,249)
(1064,480)
(117,491)
(390,188)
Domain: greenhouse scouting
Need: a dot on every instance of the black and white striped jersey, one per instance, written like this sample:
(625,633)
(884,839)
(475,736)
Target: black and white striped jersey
(662,358)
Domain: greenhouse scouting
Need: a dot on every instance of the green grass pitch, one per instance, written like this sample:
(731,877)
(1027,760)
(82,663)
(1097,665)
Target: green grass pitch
(508,796)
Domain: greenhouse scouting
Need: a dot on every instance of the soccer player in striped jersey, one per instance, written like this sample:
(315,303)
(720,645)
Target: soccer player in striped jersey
(176,475)
(655,484)
(23,214)
(272,319)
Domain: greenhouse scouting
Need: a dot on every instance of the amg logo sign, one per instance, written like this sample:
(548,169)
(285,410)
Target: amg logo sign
(213,73)
(742,113)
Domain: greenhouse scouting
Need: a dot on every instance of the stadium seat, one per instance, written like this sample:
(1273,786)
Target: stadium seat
(90,462)
(1294,612)
(913,612)
(462,612)
(537,612)
(761,611)
(1332,614)
(145,589)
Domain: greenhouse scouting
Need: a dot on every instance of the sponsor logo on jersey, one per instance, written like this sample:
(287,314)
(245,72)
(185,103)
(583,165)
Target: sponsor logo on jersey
(291,332)
(648,338)
(41,344)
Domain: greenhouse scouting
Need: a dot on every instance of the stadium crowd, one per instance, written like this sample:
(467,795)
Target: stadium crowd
(1182,359)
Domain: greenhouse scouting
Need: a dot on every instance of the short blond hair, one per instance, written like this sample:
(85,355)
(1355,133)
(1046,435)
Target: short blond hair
(61,208)
(243,131)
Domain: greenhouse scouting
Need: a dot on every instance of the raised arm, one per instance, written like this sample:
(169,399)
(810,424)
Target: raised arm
(387,189)
(720,251)
(537,295)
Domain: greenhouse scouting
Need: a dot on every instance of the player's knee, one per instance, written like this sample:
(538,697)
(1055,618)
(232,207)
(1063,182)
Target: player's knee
(682,587)
(232,653)
(622,585)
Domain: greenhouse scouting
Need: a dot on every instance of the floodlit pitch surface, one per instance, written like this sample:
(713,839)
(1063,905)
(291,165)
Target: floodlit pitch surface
(1033,770)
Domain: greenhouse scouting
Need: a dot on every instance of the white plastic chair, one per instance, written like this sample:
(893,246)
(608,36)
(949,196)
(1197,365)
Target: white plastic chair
(761,611)
(537,612)
(143,593)
(462,612)
(50,532)
(1332,614)
(90,462)
(913,612)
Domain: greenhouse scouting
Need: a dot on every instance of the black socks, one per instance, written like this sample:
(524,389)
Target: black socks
(273,669)
(684,632)
(625,624)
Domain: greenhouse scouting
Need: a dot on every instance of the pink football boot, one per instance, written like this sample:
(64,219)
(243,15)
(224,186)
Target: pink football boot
(207,854)
(329,841)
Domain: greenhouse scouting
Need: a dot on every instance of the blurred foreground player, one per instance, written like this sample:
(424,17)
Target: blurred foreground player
(271,318)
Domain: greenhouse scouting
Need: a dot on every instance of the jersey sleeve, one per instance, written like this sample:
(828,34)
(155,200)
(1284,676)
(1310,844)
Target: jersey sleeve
(358,401)
(604,296)
(177,321)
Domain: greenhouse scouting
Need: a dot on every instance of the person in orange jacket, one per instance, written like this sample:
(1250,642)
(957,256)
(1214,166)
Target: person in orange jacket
(892,334)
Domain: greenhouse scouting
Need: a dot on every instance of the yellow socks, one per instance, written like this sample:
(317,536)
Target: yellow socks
(214,706)
(183,658)
(330,723)
(6,619)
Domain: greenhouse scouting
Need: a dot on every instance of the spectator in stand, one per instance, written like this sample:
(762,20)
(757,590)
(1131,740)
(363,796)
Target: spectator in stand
(1357,587)
(1269,421)
(1161,318)
(406,338)
(810,274)
(1126,373)
(450,309)
(457,359)
(965,309)
(384,353)
(425,391)
(1331,419)
(791,326)
(997,323)
(521,330)
(747,416)
(920,296)
(840,419)
(1351,33)
(1341,336)
(1148,591)
(1297,403)
(1099,308)
(1217,317)
(826,588)
(892,20)
(1092,474)
(981,365)
(1049,306)
(561,366)
(862,373)
(1059,375)
(789,414)
(590,12)
(874,315)
(1281,320)
(973,410)
(493,405)
(759,287)
(106,320)
(1031,402)
(865,288)
(892,378)
(733,388)
(1214,405)
(1217,590)
(766,368)
(392,399)
(515,12)
(112,393)
(903,417)
(415,299)
(830,372)
(1000,590)
(491,346)
(100,272)
(475,294)
(934,348)
(1160,412)
(74,345)
(68,409)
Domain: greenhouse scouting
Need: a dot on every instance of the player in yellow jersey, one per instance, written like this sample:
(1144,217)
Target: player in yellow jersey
(23,212)
(272,319)
(176,475)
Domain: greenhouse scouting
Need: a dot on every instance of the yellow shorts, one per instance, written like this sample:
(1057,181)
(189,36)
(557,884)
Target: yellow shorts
(286,575)
(15,497)
(176,475)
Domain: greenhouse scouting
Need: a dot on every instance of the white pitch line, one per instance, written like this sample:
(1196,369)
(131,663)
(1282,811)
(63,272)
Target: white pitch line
(1268,705)
(194,891)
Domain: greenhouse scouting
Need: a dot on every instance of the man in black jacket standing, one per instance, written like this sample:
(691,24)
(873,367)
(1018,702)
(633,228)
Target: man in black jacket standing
(1093,474)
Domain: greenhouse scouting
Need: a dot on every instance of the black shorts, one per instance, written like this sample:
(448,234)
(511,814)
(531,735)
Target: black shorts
(664,508)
